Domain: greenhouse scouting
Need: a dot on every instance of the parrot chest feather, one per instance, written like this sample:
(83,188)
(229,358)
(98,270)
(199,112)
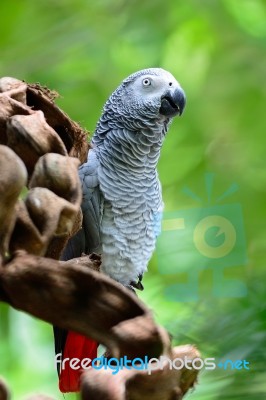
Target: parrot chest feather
(132,203)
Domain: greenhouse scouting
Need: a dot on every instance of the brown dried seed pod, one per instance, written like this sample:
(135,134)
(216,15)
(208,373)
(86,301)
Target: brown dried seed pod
(59,174)
(25,228)
(8,108)
(42,216)
(15,88)
(12,179)
(74,137)
(58,243)
(51,213)
(19,98)
(31,137)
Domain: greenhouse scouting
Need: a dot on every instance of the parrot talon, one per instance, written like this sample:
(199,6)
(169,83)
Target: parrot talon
(137,285)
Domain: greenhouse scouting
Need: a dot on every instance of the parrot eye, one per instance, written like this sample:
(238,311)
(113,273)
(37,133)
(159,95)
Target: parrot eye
(146,82)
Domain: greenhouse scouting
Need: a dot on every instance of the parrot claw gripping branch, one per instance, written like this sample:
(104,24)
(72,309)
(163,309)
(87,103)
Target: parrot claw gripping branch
(40,198)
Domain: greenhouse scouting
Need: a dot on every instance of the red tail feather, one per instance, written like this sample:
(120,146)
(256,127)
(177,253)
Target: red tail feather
(77,346)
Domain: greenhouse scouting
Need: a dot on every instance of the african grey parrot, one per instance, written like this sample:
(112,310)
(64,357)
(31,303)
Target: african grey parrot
(122,198)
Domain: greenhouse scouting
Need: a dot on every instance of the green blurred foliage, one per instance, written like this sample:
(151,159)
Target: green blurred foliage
(216,49)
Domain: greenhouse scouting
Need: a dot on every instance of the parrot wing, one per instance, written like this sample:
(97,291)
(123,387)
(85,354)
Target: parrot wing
(87,240)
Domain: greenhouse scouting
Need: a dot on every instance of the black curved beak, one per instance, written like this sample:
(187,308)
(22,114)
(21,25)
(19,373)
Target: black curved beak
(173,103)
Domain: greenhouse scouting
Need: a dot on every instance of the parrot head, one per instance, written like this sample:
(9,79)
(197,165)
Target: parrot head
(149,94)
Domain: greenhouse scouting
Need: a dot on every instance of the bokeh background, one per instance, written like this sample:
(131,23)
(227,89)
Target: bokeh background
(217,50)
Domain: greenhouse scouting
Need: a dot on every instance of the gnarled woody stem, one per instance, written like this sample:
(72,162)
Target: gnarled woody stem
(13,177)
(72,296)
